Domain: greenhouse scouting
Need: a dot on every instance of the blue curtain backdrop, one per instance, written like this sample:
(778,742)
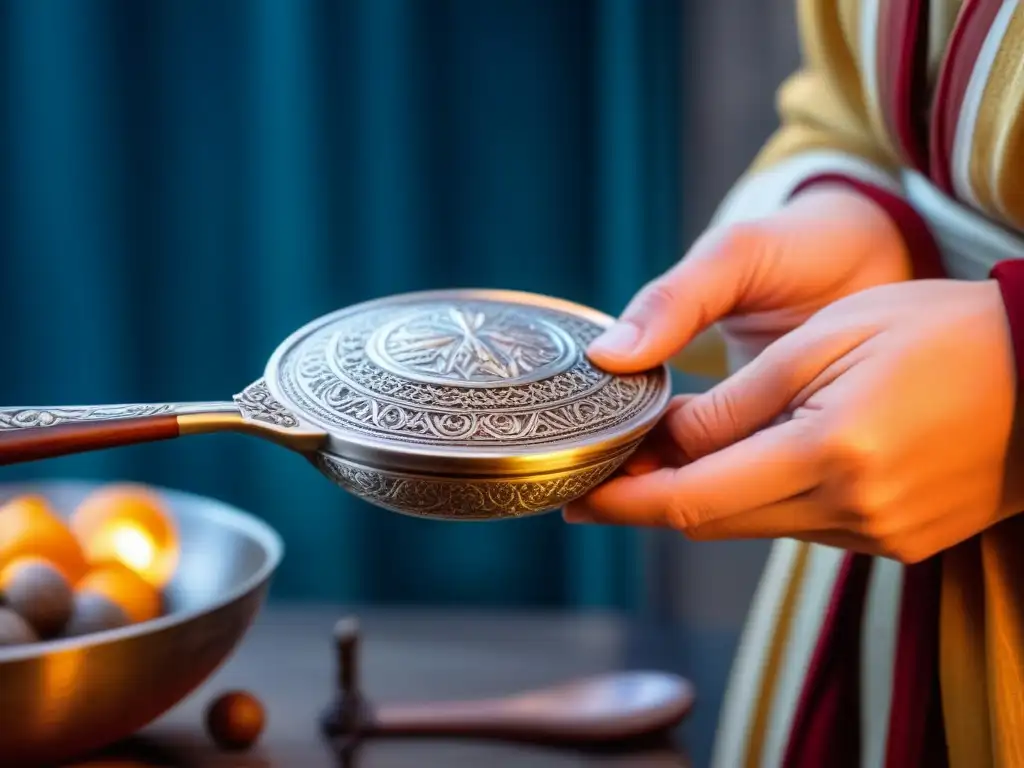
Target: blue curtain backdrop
(185,182)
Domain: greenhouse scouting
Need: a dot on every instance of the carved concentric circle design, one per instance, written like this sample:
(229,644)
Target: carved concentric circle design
(471,346)
(460,372)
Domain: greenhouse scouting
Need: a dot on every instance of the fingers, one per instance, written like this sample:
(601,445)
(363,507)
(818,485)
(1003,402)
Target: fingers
(671,310)
(767,468)
(808,517)
(659,448)
(764,391)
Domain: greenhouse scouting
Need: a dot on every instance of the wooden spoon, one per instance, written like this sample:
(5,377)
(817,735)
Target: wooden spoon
(605,708)
(617,706)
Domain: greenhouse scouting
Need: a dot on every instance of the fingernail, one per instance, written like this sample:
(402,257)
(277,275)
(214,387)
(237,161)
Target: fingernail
(618,339)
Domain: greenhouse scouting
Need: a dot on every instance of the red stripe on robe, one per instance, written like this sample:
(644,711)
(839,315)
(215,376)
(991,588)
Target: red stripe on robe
(826,726)
(965,43)
(917,738)
(1010,276)
(902,64)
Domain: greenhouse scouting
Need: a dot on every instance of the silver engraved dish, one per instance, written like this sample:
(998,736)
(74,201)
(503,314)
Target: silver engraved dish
(457,405)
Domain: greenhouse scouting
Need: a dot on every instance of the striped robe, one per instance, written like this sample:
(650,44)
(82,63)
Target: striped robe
(854,661)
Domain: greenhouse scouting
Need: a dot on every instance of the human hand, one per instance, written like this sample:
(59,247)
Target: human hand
(761,279)
(883,425)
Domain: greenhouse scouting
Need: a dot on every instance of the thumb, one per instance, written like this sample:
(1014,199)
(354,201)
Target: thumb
(667,313)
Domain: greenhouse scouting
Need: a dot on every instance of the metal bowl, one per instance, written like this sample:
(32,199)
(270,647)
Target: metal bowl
(469,498)
(63,698)
(464,404)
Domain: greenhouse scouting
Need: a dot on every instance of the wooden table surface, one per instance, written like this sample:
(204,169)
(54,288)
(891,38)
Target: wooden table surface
(286,661)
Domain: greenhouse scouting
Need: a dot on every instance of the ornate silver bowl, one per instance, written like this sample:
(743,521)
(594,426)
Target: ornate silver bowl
(463,404)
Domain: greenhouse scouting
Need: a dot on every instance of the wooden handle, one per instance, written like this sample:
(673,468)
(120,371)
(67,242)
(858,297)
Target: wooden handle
(47,442)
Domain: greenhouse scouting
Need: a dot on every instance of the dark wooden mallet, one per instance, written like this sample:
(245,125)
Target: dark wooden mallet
(617,706)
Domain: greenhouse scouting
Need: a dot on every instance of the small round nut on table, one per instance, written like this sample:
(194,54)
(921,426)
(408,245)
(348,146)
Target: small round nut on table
(235,720)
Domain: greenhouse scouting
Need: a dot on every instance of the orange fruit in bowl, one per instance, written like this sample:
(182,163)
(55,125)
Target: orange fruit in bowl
(125,588)
(29,527)
(128,524)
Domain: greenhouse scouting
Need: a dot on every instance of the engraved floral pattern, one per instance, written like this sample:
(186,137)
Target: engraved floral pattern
(469,344)
(461,499)
(329,377)
(343,357)
(257,403)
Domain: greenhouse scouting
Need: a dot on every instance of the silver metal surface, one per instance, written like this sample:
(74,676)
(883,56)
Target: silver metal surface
(464,383)
(61,698)
(477,498)
(465,404)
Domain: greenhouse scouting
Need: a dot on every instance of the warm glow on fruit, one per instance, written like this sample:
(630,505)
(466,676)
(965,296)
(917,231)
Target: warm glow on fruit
(125,588)
(128,524)
(29,528)
(133,546)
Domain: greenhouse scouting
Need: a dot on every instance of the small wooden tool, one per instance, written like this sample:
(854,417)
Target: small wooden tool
(349,714)
(611,707)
